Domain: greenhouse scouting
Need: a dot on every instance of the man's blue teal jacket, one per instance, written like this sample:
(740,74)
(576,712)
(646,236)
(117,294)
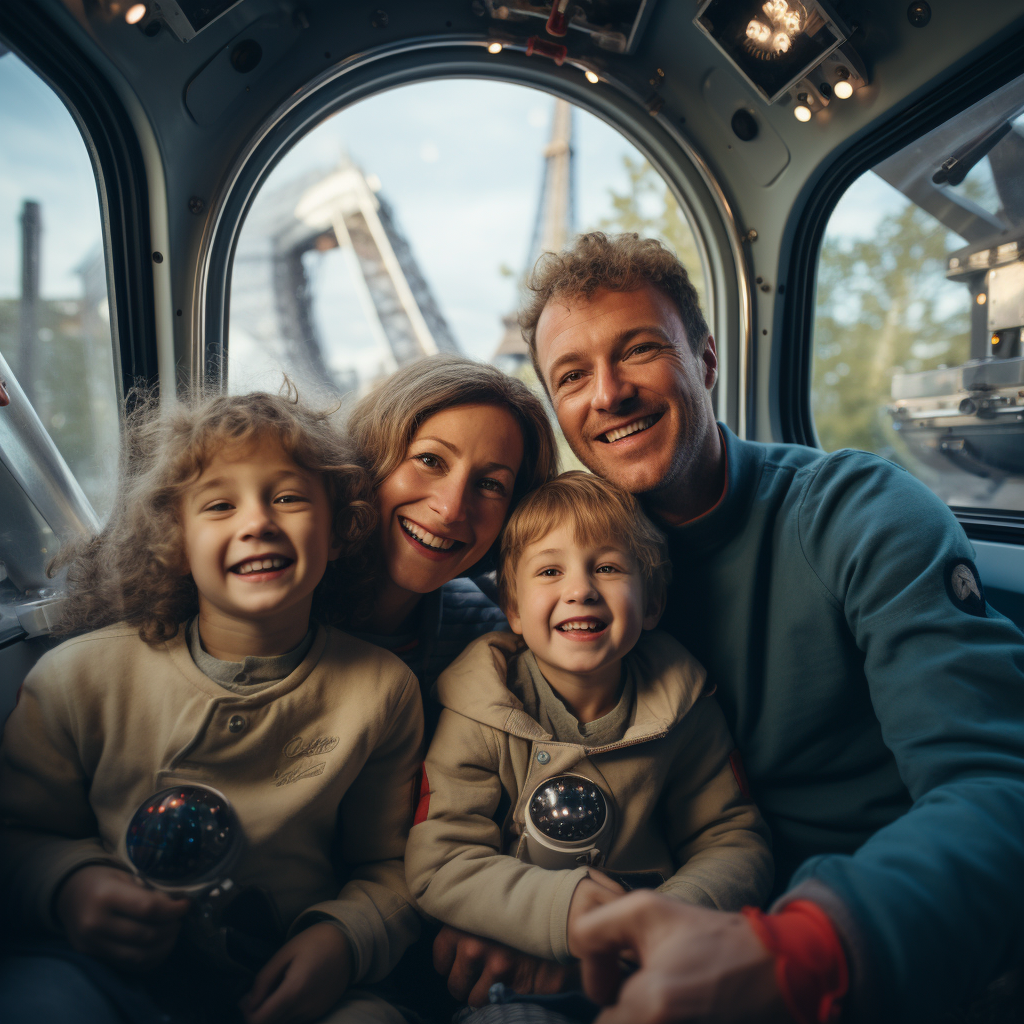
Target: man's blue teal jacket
(878,705)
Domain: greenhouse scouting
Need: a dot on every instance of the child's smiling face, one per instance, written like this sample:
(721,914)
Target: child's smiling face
(257,530)
(581,607)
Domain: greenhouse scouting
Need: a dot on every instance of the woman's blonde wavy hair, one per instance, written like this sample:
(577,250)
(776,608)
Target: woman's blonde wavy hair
(134,570)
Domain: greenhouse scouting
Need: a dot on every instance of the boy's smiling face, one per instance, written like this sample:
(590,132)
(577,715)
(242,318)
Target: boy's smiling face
(580,607)
(257,531)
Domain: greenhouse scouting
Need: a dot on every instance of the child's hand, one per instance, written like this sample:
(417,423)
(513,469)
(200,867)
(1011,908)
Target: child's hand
(108,914)
(302,980)
(592,892)
(473,964)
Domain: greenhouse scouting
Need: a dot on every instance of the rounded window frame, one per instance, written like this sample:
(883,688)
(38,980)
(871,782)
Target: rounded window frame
(699,194)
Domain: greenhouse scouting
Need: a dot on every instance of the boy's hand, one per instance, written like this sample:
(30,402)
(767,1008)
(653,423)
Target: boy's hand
(302,980)
(108,914)
(473,964)
(594,891)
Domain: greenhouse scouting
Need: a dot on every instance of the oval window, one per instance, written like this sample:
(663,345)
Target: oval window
(405,225)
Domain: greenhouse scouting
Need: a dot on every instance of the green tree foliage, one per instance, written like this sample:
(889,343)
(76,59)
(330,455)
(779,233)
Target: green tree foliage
(649,207)
(883,307)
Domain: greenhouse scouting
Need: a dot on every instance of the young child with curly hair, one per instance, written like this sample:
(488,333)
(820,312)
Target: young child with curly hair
(240,529)
(585,756)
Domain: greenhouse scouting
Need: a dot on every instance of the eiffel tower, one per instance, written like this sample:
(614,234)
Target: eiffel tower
(553,226)
(273,289)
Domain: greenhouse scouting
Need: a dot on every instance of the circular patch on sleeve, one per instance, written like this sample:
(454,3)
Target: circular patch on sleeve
(963,584)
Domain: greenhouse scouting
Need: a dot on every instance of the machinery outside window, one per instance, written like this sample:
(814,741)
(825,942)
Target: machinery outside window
(917,351)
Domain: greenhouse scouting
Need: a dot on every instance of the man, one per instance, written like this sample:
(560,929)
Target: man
(875,698)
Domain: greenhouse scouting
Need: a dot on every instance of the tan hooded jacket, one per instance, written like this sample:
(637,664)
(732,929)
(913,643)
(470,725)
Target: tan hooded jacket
(319,767)
(675,798)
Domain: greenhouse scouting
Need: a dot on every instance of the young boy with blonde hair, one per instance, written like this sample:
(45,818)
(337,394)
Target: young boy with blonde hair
(583,756)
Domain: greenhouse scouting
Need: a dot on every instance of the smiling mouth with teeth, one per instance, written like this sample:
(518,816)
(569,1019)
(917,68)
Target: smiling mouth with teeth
(610,436)
(428,539)
(269,563)
(581,626)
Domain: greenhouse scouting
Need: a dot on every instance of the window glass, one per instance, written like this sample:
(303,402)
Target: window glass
(54,319)
(920,303)
(368,248)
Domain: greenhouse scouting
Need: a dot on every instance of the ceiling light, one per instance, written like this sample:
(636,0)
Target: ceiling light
(774,44)
(135,14)
(981,299)
(494,48)
(802,113)
(592,77)
(843,90)
(758,32)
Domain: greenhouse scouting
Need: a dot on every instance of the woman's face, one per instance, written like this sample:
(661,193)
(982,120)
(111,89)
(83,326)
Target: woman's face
(444,505)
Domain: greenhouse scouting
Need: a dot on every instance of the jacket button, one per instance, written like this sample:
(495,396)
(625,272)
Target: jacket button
(236,723)
(543,757)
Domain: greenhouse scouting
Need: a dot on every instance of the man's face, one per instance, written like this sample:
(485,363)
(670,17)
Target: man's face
(630,394)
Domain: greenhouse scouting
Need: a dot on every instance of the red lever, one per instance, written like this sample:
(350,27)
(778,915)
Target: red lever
(556,51)
(557,25)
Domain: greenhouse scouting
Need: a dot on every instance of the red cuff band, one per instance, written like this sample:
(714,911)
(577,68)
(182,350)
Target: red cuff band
(810,965)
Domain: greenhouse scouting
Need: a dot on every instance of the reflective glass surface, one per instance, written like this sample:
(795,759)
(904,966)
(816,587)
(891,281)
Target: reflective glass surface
(569,809)
(183,836)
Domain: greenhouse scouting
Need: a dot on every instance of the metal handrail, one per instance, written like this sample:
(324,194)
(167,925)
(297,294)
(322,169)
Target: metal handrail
(31,457)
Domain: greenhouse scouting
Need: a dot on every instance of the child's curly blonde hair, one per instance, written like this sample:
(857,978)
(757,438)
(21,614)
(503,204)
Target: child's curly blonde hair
(133,571)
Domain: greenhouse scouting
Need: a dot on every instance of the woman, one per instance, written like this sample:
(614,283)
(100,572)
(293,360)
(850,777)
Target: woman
(452,445)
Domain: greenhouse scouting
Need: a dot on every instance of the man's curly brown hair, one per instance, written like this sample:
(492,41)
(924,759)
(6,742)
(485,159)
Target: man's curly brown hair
(620,263)
(135,570)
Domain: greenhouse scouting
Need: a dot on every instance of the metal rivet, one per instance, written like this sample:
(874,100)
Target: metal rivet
(196,205)
(158,257)
(236,723)
(919,14)
(543,757)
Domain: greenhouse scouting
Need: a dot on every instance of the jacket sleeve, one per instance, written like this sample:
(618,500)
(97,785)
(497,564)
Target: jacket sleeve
(374,909)
(47,828)
(455,864)
(931,905)
(715,832)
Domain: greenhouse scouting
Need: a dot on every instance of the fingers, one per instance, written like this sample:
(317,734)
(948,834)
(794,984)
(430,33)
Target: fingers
(604,880)
(283,1005)
(148,905)
(499,964)
(268,979)
(446,945)
(604,934)
(549,977)
(619,926)
(467,967)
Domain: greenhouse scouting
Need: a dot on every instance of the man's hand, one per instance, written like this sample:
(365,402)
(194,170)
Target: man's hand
(473,965)
(695,964)
(108,914)
(594,891)
(302,980)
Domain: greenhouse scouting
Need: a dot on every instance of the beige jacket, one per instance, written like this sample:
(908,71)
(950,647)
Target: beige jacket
(674,796)
(319,766)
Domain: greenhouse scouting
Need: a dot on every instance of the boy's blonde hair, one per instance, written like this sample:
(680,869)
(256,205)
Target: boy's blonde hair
(135,570)
(595,509)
